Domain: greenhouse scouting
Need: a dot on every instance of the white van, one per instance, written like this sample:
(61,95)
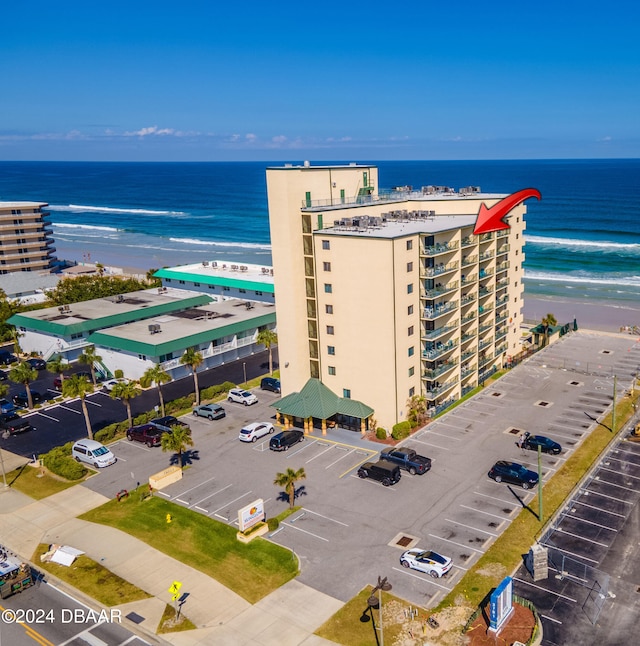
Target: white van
(92,453)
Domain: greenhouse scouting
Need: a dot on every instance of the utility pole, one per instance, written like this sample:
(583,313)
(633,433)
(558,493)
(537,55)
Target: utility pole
(613,408)
(539,482)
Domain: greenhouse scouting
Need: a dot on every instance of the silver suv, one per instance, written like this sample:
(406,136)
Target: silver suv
(241,396)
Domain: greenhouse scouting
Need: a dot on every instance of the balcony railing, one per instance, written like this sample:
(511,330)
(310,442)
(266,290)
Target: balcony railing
(485,326)
(469,318)
(501,300)
(469,335)
(485,343)
(437,249)
(485,309)
(485,237)
(502,233)
(483,361)
(438,349)
(431,313)
(469,241)
(468,353)
(501,332)
(438,332)
(503,249)
(439,291)
(502,283)
(501,317)
(469,260)
(467,370)
(433,393)
(503,266)
(440,269)
(487,255)
(485,291)
(485,273)
(439,370)
(501,348)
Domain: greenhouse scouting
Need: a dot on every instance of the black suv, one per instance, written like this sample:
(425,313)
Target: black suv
(6,358)
(503,471)
(270,383)
(387,474)
(147,433)
(21,399)
(282,441)
(13,423)
(165,423)
(407,459)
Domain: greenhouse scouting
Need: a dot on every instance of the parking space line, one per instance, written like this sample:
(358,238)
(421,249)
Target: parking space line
(587,492)
(613,513)
(475,529)
(633,464)
(215,511)
(627,475)
(613,484)
(449,437)
(458,544)
(318,455)
(326,517)
(580,556)
(590,522)
(539,587)
(211,496)
(306,445)
(304,531)
(89,401)
(506,502)
(134,445)
(582,538)
(416,576)
(442,448)
(340,458)
(557,621)
(486,512)
(43,415)
(77,412)
(182,493)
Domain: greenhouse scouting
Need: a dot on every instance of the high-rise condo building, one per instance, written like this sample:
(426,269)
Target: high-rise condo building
(383,295)
(25,237)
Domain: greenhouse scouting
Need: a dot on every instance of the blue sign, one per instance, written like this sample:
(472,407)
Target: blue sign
(501,604)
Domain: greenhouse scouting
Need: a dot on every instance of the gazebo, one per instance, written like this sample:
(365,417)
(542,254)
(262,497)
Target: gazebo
(317,406)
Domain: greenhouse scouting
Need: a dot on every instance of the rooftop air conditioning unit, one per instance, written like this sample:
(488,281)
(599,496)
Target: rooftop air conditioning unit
(154,328)
(67,308)
(205,263)
(248,305)
(61,309)
(119,298)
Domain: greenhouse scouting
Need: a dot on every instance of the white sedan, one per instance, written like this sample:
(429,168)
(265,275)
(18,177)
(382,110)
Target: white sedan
(251,432)
(241,396)
(427,561)
(108,385)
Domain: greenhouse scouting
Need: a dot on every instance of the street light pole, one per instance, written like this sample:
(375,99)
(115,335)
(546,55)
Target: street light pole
(5,435)
(244,370)
(376,602)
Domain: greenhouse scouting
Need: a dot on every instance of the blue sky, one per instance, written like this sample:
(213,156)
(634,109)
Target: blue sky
(285,80)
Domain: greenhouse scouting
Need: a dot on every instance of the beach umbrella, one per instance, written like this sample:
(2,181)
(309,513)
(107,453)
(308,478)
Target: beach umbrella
(575,324)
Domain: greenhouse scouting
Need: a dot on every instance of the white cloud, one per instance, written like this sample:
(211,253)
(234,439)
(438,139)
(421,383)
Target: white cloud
(152,130)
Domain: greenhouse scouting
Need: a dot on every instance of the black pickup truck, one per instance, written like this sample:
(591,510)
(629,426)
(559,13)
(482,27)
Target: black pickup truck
(407,459)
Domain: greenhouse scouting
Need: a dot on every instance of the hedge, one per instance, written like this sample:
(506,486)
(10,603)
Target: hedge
(60,462)
(401,430)
(381,434)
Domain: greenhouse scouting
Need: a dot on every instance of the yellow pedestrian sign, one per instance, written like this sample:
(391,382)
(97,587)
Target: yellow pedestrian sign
(175,590)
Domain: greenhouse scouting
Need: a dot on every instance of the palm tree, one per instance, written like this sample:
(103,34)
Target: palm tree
(79,386)
(193,359)
(24,374)
(268,338)
(158,376)
(125,391)
(288,480)
(417,406)
(57,365)
(177,440)
(548,321)
(89,357)
(15,337)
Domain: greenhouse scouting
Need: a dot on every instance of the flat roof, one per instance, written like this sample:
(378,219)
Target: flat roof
(307,166)
(224,274)
(179,330)
(5,205)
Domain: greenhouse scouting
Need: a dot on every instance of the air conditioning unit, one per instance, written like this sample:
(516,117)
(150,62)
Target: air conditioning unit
(119,298)
(154,328)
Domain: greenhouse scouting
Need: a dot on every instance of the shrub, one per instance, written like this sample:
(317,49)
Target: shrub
(401,430)
(381,433)
(60,462)
(182,403)
(107,433)
(118,374)
(273,524)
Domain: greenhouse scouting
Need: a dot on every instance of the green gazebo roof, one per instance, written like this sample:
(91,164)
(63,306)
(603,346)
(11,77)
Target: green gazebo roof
(317,400)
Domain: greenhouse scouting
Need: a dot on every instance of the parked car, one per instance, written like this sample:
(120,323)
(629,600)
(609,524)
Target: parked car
(382,471)
(514,473)
(145,433)
(110,383)
(37,364)
(92,453)
(13,423)
(57,382)
(165,423)
(282,441)
(21,399)
(241,396)
(270,383)
(427,561)
(252,432)
(210,411)
(3,375)
(407,459)
(546,444)
(6,406)
(7,357)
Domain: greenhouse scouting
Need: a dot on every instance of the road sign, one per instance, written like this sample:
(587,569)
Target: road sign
(175,590)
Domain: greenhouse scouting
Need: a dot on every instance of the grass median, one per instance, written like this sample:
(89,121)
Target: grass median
(251,570)
(36,482)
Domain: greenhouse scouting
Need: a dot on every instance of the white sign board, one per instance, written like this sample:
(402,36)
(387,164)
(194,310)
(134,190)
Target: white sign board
(251,515)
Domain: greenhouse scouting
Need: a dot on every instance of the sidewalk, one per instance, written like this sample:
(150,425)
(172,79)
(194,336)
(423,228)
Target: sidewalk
(286,617)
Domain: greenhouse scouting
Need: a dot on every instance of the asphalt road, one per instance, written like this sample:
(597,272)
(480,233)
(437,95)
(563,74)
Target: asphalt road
(57,424)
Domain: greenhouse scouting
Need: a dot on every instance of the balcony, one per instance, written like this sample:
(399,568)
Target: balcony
(439,370)
(501,316)
(433,393)
(487,255)
(485,361)
(468,241)
(485,291)
(503,233)
(468,353)
(502,283)
(503,266)
(502,300)
(440,269)
(485,309)
(469,260)
(435,350)
(468,336)
(437,249)
(505,248)
(486,237)
(438,332)
(467,370)
(501,332)
(467,389)
(501,348)
(485,326)
(485,343)
(485,273)
(469,318)
(432,313)
(439,291)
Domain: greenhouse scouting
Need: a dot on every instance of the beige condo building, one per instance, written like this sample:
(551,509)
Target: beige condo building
(26,242)
(383,295)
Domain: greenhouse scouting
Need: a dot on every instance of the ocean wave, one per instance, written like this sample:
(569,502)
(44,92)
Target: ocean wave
(628,281)
(571,242)
(83,226)
(78,208)
(211,243)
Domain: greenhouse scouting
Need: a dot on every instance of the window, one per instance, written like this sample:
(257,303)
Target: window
(167,280)
(412,391)
(326,266)
(409,245)
(332,370)
(181,282)
(329,329)
(328,288)
(143,357)
(242,291)
(410,310)
(258,293)
(331,349)
(410,330)
(411,351)
(346,393)
(328,309)
(410,288)
(409,266)
(326,245)
(196,284)
(226,289)
(411,371)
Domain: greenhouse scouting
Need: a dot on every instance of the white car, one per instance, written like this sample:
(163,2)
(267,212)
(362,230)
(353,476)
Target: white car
(251,432)
(242,397)
(108,385)
(427,561)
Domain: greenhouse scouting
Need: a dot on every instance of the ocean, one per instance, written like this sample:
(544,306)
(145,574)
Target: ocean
(582,238)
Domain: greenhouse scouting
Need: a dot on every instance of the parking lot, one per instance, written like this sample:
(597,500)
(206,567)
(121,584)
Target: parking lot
(349,530)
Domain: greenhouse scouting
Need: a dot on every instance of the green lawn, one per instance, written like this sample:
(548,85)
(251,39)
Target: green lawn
(92,579)
(30,481)
(252,570)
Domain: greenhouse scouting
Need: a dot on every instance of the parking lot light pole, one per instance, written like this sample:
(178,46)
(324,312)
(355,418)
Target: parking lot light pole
(539,482)
(5,435)
(376,602)
(244,370)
